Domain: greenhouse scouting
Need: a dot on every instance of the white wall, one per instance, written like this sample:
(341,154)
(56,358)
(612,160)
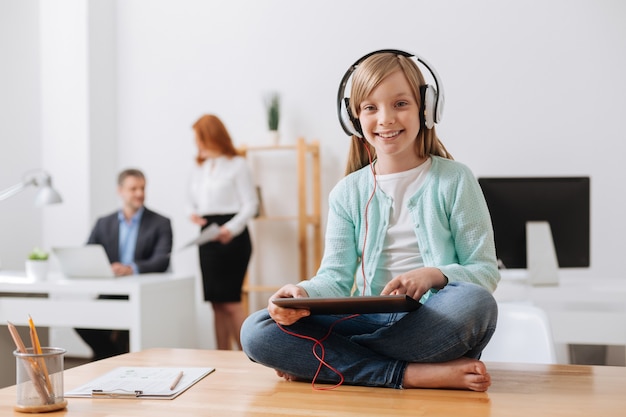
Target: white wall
(532,88)
(20,122)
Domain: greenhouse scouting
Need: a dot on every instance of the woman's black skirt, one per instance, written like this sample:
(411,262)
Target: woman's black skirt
(224,266)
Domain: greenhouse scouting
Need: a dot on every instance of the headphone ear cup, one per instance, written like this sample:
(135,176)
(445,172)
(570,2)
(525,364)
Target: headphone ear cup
(429,100)
(350,123)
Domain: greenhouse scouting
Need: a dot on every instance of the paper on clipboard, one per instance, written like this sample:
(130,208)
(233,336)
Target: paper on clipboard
(208,234)
(141,383)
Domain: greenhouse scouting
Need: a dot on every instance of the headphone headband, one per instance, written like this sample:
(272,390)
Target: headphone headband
(432,97)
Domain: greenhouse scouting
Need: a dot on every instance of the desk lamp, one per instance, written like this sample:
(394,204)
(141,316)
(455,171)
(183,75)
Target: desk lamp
(45,195)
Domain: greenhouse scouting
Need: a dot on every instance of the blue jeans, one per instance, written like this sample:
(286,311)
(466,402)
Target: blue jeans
(375,349)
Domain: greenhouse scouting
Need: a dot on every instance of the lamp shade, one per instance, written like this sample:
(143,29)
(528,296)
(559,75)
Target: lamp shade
(45,194)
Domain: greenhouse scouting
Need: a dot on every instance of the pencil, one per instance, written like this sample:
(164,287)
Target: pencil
(33,370)
(176,380)
(37,349)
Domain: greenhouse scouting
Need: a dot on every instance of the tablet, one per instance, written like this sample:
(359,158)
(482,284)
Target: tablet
(351,305)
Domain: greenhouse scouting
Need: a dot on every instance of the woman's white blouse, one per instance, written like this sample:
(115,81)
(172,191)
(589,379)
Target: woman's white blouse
(224,185)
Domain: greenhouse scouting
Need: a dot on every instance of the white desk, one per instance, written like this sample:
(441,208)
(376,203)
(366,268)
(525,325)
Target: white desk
(159,312)
(581,311)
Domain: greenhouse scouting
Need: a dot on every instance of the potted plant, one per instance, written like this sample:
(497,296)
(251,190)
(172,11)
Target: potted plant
(37,264)
(272,104)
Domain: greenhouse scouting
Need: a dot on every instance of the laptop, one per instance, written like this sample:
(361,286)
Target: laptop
(88,261)
(351,305)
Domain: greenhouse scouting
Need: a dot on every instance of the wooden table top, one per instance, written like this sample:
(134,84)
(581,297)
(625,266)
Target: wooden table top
(240,387)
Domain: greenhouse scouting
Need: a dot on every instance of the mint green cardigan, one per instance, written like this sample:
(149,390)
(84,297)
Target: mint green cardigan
(452,230)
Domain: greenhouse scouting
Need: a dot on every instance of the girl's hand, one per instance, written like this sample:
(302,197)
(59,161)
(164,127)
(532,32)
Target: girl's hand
(199,220)
(287,316)
(416,283)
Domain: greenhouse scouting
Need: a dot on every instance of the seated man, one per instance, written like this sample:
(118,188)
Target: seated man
(136,240)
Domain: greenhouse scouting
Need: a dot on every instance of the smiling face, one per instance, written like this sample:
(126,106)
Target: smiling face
(390,121)
(132,193)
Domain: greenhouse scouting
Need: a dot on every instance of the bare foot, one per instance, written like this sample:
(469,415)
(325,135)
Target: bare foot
(285,376)
(462,373)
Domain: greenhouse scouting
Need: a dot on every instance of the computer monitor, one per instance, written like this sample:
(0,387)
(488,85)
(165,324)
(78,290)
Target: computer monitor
(563,202)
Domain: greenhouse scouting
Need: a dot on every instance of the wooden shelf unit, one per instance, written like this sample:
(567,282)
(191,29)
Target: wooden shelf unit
(309,209)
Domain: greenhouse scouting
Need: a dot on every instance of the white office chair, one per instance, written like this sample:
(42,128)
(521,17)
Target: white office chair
(523,335)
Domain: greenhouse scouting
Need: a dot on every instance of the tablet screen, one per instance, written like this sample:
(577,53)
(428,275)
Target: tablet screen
(351,305)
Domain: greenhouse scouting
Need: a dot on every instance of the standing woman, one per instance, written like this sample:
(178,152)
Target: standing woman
(222,192)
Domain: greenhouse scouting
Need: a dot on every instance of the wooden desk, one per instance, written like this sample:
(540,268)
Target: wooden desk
(239,387)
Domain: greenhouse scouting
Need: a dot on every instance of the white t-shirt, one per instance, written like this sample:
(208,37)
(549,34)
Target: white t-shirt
(401,252)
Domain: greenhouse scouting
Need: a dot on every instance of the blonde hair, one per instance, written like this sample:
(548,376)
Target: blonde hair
(368,75)
(212,134)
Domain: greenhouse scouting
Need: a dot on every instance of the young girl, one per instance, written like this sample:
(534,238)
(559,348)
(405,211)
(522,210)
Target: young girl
(407,219)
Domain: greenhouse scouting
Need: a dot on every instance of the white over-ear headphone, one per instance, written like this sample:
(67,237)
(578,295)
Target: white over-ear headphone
(432,96)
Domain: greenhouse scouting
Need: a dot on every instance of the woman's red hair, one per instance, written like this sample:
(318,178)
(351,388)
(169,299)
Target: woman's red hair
(212,134)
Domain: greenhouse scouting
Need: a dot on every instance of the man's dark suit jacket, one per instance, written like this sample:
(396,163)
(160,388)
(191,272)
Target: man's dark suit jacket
(154,240)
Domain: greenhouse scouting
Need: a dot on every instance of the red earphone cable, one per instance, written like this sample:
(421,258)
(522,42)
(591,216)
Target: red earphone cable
(369,154)
(320,357)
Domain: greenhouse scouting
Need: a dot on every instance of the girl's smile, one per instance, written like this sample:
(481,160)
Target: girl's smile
(388,135)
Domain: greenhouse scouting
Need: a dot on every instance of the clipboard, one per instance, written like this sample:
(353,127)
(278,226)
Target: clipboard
(159,383)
